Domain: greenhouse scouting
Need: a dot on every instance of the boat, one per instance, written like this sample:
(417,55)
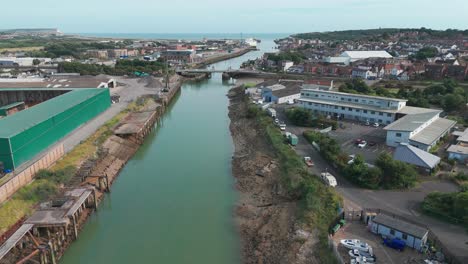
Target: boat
(355,244)
(355,254)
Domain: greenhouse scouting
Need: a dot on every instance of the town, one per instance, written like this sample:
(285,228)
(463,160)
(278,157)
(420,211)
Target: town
(352,143)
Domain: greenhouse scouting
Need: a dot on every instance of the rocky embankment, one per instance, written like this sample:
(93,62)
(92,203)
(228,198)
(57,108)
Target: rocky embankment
(265,214)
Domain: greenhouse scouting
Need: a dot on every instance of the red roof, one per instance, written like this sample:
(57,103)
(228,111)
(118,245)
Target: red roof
(319,82)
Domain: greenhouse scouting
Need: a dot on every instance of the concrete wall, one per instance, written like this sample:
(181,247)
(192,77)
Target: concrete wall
(285,99)
(24,177)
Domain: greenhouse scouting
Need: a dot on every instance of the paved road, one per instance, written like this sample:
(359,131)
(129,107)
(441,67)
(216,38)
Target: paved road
(402,202)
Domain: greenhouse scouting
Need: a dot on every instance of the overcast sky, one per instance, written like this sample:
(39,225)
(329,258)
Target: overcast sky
(218,16)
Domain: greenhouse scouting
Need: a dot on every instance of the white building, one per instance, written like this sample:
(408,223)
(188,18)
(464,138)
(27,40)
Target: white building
(286,65)
(419,127)
(362,55)
(363,108)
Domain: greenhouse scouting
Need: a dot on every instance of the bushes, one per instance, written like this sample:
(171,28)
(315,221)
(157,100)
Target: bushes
(299,116)
(37,191)
(452,207)
(59,176)
(389,173)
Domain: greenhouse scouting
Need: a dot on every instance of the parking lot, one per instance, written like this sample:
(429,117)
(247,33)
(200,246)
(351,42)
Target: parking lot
(384,254)
(349,132)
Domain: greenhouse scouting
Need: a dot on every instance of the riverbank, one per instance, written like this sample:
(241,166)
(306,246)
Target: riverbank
(223,57)
(268,213)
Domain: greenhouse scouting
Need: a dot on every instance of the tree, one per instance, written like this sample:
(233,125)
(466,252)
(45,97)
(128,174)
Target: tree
(395,174)
(36,62)
(426,52)
(299,116)
(452,102)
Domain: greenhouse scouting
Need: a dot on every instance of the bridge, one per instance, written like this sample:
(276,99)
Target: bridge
(227,74)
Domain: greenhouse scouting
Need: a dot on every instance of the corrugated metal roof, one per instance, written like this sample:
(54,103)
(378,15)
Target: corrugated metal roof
(434,131)
(412,155)
(412,121)
(463,136)
(458,149)
(23,120)
(9,106)
(400,225)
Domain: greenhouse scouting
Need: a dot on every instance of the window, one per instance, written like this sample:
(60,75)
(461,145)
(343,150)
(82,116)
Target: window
(302,93)
(389,115)
(380,113)
(310,103)
(357,110)
(392,232)
(365,111)
(398,134)
(342,99)
(373,112)
(350,109)
(316,95)
(336,107)
(356,100)
(404,236)
(349,99)
(343,108)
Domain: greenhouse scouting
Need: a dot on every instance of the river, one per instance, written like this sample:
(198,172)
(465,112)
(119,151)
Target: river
(173,201)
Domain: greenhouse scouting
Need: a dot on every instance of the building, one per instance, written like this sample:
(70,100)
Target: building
(363,73)
(415,156)
(357,107)
(29,132)
(12,108)
(459,151)
(415,236)
(118,53)
(179,56)
(362,55)
(282,92)
(100,54)
(419,127)
(285,65)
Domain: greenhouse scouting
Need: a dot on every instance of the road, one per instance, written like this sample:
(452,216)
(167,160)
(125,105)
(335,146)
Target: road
(402,202)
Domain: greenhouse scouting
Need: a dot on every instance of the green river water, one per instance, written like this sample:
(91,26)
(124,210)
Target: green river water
(173,201)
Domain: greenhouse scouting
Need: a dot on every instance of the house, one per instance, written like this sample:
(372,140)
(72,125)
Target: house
(179,56)
(363,73)
(415,236)
(415,156)
(285,65)
(435,71)
(118,53)
(458,72)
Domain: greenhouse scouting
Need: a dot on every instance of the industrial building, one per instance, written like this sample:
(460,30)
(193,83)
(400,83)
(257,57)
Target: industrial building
(419,127)
(27,133)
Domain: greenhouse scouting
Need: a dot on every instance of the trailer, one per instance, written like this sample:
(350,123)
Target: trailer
(293,139)
(272,112)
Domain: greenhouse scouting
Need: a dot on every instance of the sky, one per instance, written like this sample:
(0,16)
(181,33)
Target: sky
(220,16)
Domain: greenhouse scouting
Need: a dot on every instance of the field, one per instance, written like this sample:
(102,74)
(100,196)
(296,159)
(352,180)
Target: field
(2,50)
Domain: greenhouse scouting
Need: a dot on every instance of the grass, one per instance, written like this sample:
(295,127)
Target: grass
(47,182)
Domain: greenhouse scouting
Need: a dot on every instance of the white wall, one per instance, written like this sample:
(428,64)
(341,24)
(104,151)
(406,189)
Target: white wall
(394,141)
(285,99)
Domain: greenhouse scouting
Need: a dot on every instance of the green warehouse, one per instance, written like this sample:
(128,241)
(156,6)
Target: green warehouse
(25,134)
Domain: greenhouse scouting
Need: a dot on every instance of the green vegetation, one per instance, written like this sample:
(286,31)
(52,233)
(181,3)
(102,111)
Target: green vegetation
(355,86)
(388,173)
(303,117)
(319,203)
(448,95)
(426,52)
(122,67)
(377,34)
(451,207)
(296,57)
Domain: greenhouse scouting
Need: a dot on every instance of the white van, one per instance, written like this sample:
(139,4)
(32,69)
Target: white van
(328,179)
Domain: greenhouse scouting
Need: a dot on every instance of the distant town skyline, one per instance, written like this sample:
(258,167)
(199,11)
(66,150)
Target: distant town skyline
(249,16)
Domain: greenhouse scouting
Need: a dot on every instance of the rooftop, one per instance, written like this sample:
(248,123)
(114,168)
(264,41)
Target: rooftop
(434,131)
(23,120)
(56,82)
(288,90)
(366,54)
(463,137)
(400,225)
(9,106)
(344,104)
(411,122)
(361,95)
(415,156)
(458,149)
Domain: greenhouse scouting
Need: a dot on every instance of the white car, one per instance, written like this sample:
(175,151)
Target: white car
(356,254)
(282,127)
(375,125)
(355,244)
(362,144)
(276,121)
(290,102)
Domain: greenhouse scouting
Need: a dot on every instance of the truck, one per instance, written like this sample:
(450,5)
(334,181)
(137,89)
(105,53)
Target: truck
(328,179)
(292,139)
(272,112)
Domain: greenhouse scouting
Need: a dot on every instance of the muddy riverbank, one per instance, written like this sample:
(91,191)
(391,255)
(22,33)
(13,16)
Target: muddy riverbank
(266,215)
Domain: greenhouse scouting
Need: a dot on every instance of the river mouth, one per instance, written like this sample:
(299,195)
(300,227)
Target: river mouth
(173,202)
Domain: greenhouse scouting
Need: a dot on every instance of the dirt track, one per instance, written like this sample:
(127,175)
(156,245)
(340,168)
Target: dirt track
(265,215)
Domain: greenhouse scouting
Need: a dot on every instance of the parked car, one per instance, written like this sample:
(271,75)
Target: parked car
(355,253)
(355,244)
(375,125)
(308,162)
(282,127)
(276,121)
(329,179)
(362,144)
(394,243)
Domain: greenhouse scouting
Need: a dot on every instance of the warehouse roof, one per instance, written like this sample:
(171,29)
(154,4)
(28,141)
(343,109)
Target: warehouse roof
(400,225)
(366,54)
(411,122)
(434,131)
(463,136)
(458,149)
(21,121)
(415,156)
